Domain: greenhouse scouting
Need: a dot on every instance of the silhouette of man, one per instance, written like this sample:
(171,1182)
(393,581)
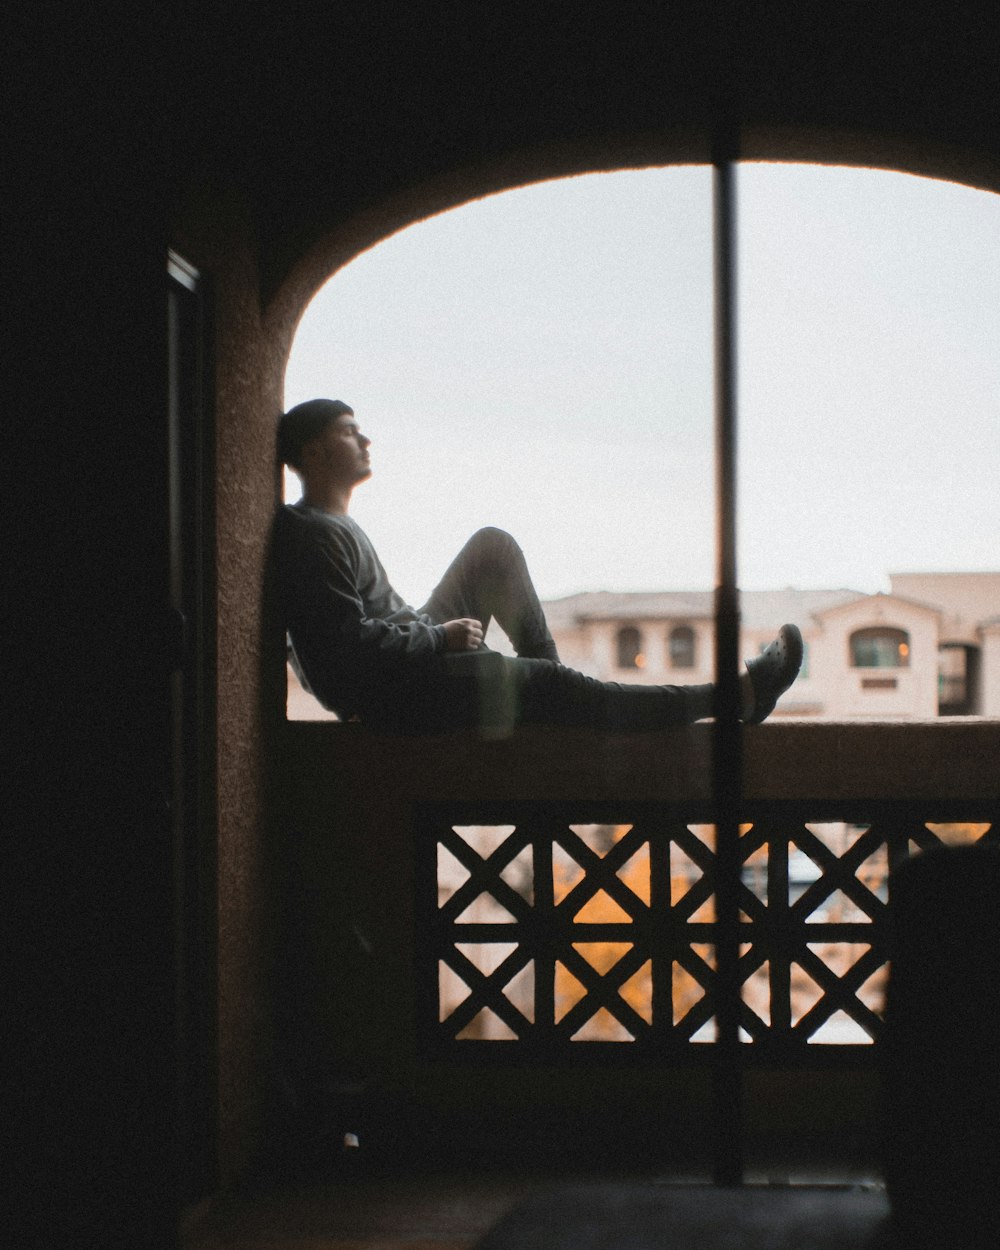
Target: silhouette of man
(366,654)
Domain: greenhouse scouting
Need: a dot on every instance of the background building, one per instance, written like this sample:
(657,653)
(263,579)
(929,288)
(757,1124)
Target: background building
(928,648)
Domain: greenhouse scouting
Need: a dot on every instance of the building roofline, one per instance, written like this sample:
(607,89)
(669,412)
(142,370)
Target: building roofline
(881,595)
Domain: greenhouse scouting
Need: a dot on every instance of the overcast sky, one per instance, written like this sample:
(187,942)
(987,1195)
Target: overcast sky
(542,360)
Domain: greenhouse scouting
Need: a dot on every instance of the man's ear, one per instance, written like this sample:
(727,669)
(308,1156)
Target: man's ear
(307,457)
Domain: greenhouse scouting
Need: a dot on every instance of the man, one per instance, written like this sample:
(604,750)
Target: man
(366,654)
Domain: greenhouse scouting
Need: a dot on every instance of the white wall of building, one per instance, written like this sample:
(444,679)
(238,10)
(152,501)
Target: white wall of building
(849,693)
(964,600)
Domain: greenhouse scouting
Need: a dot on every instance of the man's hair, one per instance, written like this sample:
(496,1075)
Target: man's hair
(303,423)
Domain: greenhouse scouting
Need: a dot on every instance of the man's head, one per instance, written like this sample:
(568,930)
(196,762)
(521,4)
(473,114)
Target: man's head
(304,423)
(322,442)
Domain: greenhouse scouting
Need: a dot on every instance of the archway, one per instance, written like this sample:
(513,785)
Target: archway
(590,447)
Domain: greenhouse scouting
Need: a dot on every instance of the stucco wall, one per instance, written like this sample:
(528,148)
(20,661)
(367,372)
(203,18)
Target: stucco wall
(247,357)
(845,697)
(964,599)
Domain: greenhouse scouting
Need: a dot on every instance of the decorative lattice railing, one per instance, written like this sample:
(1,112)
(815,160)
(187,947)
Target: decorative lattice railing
(549,929)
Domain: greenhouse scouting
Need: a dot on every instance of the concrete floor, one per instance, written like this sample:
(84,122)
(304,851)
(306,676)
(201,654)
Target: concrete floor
(349,1208)
(364,1213)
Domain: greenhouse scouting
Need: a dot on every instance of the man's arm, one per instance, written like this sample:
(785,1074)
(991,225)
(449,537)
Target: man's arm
(343,647)
(333,606)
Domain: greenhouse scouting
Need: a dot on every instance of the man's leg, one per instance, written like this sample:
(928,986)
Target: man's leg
(493,693)
(546,693)
(489,579)
(543,693)
(496,692)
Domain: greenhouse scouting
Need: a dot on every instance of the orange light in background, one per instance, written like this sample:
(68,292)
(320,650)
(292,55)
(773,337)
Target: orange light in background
(640,660)
(904,650)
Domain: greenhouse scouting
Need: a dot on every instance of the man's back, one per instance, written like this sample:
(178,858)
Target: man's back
(346,623)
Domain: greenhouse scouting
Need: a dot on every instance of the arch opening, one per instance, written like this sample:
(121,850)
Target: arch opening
(845,390)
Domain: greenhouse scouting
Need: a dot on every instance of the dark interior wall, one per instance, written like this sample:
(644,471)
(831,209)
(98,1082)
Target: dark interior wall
(333,113)
(87,872)
(252,136)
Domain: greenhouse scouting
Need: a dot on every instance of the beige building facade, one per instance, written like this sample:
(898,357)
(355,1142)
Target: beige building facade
(929,647)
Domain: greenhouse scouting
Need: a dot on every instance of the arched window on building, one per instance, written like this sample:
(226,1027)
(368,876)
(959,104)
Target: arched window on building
(630,648)
(880,647)
(682,647)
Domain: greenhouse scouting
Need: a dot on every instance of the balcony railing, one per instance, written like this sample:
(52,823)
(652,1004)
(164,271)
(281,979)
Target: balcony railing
(548,925)
(545,903)
(540,911)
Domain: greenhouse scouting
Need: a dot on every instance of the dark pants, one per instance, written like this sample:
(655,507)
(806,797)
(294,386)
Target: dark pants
(489,580)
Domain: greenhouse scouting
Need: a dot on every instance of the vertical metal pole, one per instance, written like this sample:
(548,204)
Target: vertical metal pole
(727,744)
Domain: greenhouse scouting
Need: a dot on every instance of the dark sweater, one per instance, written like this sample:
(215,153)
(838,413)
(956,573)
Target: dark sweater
(348,628)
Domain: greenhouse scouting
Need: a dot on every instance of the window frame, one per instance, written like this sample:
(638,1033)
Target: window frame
(875,635)
(690,659)
(634,636)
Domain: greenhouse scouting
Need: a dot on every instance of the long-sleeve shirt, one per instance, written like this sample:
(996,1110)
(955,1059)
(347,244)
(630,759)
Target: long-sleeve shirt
(349,629)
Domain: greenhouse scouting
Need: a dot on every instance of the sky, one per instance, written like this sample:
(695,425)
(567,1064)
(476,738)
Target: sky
(541,360)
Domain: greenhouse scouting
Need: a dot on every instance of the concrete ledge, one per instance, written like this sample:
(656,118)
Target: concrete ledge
(343,822)
(952,759)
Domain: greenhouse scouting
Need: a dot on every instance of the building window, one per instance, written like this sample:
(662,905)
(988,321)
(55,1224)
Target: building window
(880,647)
(682,647)
(630,648)
(958,679)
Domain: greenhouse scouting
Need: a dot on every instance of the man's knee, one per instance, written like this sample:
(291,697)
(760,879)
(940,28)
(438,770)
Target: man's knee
(496,542)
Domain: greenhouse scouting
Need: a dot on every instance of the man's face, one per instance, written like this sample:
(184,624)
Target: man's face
(339,456)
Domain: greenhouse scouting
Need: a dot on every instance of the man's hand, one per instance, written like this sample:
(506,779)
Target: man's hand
(462,635)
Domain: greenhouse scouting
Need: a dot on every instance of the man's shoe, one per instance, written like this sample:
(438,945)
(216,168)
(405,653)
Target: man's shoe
(773,671)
